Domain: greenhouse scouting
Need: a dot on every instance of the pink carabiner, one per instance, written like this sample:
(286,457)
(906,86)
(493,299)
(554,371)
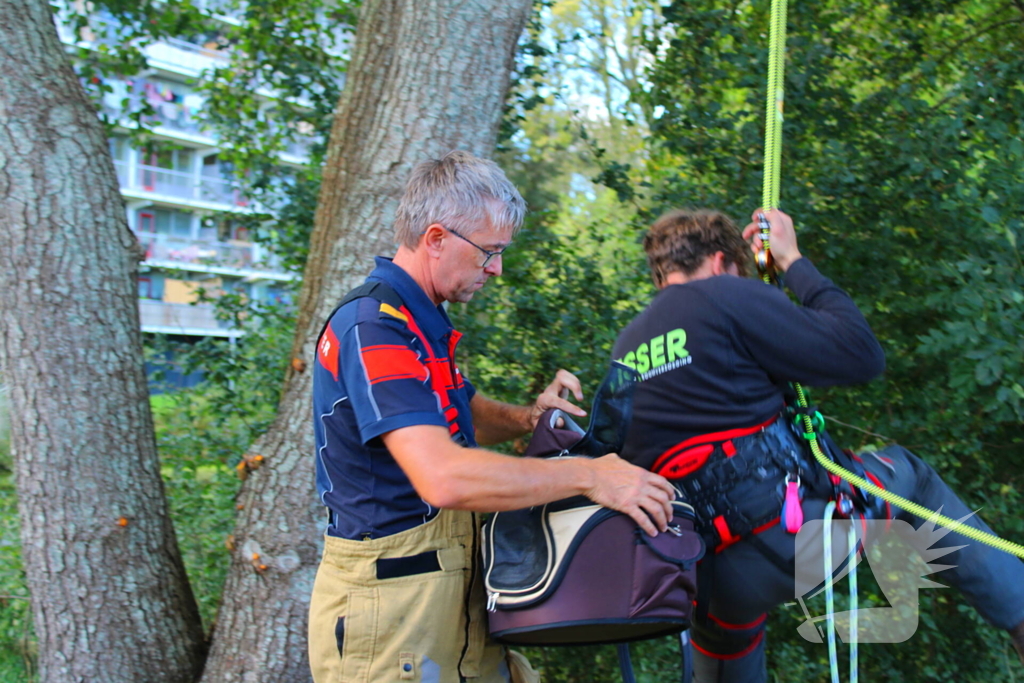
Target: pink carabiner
(792,510)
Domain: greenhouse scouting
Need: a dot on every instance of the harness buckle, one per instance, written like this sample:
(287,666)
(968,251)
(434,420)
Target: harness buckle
(817,423)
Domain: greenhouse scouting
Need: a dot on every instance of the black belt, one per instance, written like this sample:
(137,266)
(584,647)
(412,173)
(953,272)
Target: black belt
(396,567)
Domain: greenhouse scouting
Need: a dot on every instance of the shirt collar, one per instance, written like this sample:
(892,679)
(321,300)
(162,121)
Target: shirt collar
(432,319)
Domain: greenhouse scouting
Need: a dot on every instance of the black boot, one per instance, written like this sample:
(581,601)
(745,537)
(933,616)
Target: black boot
(1017,635)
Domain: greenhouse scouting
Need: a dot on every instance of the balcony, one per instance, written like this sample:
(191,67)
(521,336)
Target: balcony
(170,54)
(250,261)
(183,57)
(197,320)
(179,188)
(178,117)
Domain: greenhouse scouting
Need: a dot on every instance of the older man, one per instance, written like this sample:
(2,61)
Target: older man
(715,352)
(398,595)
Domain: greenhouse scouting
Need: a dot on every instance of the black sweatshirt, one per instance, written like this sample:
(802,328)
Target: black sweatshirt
(716,353)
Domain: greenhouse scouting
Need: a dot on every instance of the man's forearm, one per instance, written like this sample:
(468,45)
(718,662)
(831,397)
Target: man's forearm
(447,475)
(496,422)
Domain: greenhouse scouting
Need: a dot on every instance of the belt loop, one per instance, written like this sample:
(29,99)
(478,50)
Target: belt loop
(461,525)
(453,558)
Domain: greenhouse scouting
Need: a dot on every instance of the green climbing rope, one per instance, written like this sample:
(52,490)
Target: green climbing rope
(773,115)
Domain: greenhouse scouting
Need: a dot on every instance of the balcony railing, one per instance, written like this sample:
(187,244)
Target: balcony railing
(183,317)
(181,55)
(173,115)
(181,115)
(178,184)
(184,250)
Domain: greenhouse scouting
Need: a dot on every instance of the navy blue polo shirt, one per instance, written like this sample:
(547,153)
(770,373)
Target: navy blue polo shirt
(378,369)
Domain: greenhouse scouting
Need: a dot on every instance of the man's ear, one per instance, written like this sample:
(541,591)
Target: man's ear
(433,239)
(718,263)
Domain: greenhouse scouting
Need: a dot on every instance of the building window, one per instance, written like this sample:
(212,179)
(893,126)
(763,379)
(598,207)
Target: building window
(165,222)
(171,159)
(145,222)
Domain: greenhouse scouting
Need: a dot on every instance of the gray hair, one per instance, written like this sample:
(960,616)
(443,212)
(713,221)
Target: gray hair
(458,191)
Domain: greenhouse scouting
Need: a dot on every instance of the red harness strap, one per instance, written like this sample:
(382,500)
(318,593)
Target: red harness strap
(754,642)
(725,536)
(688,456)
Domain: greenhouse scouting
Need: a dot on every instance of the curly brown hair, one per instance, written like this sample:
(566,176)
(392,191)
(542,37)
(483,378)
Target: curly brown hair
(682,239)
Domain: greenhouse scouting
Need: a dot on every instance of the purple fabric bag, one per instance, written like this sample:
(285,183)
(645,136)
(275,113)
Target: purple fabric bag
(572,572)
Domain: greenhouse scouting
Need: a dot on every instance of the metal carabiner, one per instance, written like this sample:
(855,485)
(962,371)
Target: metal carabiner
(765,260)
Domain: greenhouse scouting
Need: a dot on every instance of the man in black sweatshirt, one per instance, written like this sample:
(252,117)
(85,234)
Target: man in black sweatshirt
(716,352)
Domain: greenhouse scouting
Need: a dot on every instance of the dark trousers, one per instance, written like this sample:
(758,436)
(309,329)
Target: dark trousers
(746,584)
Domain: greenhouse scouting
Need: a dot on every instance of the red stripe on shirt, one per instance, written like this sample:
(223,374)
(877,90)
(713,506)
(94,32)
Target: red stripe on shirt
(385,363)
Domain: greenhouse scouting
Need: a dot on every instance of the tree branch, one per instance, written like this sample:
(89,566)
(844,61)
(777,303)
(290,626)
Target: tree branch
(889,439)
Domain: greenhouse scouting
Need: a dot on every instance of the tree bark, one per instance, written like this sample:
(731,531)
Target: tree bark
(110,598)
(426,77)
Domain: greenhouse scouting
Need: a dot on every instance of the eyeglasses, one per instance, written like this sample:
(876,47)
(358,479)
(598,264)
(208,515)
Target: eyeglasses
(490,255)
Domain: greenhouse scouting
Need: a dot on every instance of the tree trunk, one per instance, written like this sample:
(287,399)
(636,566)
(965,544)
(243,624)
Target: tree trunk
(110,598)
(426,77)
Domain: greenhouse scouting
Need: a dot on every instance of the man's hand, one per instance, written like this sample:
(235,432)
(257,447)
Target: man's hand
(556,396)
(782,237)
(643,495)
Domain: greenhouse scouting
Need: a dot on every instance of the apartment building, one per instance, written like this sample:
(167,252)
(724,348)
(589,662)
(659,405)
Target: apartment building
(179,195)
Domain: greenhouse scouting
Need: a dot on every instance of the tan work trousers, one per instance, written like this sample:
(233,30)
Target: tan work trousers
(364,629)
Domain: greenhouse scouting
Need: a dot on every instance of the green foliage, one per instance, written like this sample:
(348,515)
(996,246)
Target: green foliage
(249,369)
(902,159)
(903,167)
(17,640)
(198,452)
(654,661)
(901,164)
(902,155)
(295,54)
(203,432)
(570,282)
